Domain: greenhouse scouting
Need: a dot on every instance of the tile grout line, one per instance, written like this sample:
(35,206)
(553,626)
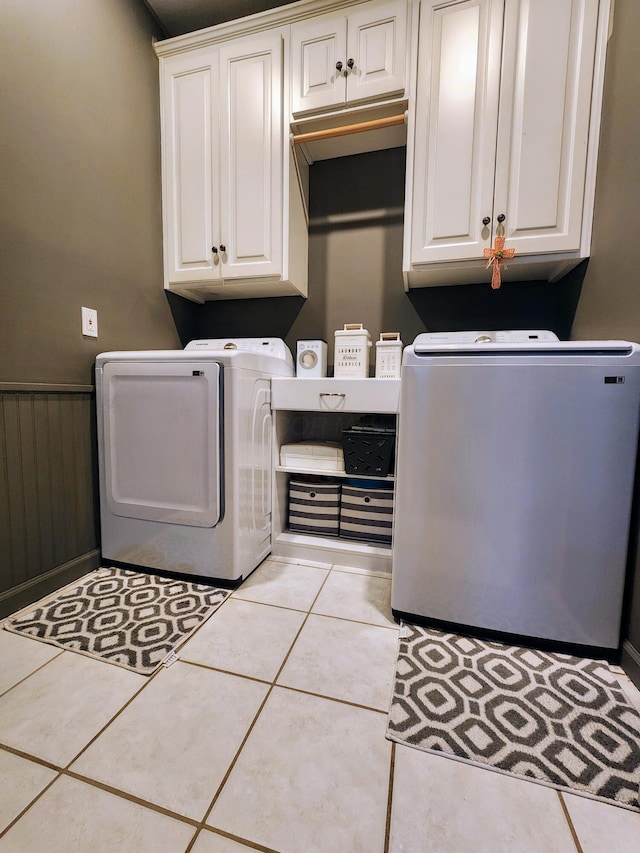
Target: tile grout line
(220,833)
(20,753)
(149,679)
(117,792)
(394,627)
(203,824)
(258,713)
(65,771)
(42,665)
(331,699)
(211,668)
(132,798)
(285,686)
(567,816)
(21,814)
(387,828)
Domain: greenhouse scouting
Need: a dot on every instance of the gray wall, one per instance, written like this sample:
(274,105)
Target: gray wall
(80,206)
(80,224)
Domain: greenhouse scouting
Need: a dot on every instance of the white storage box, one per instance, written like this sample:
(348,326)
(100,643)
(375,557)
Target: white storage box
(314,507)
(388,355)
(313,455)
(351,357)
(366,513)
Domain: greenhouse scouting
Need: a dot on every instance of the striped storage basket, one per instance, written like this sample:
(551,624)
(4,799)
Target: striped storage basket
(314,507)
(366,513)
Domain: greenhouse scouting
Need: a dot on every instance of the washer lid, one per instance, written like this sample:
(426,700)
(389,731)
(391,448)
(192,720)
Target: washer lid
(267,355)
(489,347)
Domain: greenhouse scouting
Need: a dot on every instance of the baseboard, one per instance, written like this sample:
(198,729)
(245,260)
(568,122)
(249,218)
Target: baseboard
(630,662)
(35,588)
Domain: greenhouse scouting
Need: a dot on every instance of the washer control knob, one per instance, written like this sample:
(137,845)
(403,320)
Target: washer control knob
(230,345)
(483,339)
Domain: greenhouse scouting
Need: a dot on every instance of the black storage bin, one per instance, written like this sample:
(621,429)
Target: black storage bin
(314,507)
(369,446)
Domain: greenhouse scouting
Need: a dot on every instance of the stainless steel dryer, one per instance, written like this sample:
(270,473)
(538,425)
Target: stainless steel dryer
(185,455)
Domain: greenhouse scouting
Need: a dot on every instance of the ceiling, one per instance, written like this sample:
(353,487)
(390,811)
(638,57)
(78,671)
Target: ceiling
(184,16)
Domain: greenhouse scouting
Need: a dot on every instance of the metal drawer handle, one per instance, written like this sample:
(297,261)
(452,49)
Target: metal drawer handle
(331,394)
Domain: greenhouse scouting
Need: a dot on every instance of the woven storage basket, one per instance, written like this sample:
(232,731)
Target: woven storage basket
(366,513)
(314,507)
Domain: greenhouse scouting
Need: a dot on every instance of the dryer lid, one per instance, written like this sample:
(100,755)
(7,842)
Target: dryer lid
(274,347)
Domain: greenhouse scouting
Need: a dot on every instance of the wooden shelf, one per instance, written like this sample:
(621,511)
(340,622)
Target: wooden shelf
(333,550)
(342,474)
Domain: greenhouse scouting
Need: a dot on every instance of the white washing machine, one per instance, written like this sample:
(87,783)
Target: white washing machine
(515,472)
(185,455)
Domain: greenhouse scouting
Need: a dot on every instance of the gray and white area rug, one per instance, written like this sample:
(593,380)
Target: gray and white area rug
(555,719)
(128,618)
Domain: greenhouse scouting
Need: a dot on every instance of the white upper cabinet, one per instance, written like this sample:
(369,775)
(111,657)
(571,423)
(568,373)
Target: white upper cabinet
(251,157)
(349,57)
(233,215)
(190,138)
(504,103)
(505,127)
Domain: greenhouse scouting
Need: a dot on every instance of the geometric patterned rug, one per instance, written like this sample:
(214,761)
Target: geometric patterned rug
(554,719)
(127,618)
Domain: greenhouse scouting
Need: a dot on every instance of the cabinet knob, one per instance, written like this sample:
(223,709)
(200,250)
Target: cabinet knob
(501,217)
(338,66)
(486,220)
(350,63)
(223,248)
(214,249)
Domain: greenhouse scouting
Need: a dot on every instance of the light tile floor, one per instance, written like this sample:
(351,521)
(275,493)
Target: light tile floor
(267,734)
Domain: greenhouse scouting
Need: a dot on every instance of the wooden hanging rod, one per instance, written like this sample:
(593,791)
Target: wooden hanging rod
(347,129)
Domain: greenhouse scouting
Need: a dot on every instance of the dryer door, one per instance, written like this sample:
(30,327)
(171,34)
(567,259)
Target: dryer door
(162,435)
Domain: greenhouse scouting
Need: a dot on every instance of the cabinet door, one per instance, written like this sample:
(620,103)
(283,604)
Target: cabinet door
(544,122)
(377,45)
(455,128)
(317,45)
(251,157)
(189,154)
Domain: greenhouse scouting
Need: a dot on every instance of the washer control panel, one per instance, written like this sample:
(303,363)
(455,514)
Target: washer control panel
(517,336)
(269,346)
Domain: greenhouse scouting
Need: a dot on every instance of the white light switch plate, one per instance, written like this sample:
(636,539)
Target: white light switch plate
(90,322)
